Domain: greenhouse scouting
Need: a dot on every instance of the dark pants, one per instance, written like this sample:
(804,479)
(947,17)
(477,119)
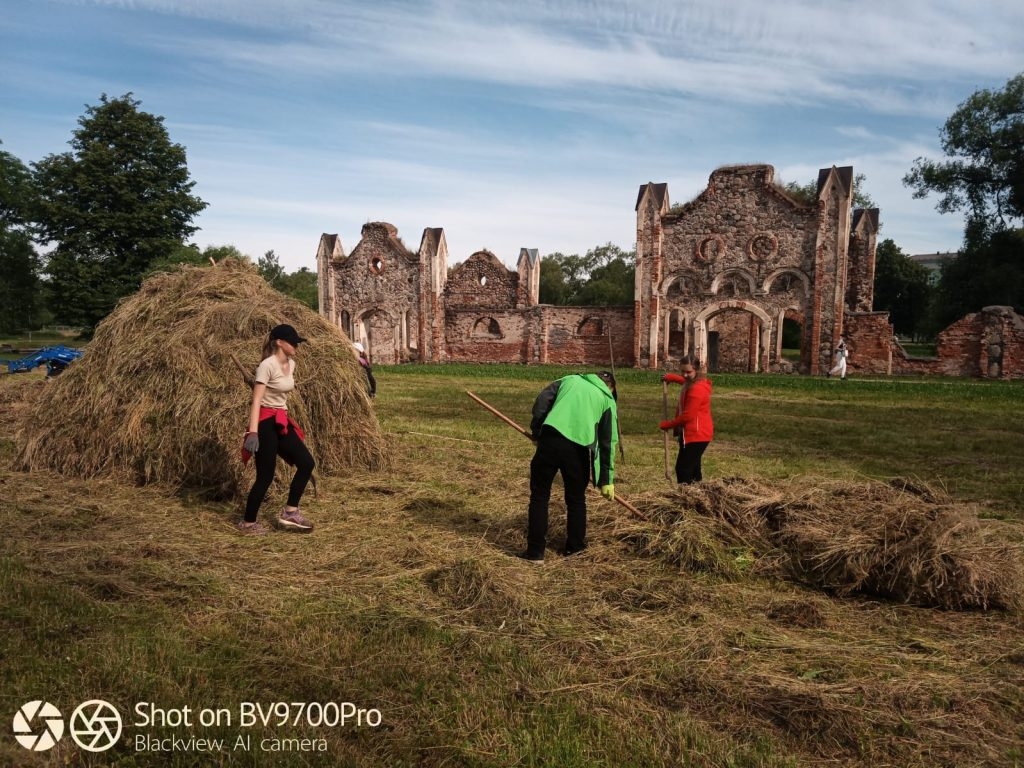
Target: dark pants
(289,447)
(556,454)
(688,462)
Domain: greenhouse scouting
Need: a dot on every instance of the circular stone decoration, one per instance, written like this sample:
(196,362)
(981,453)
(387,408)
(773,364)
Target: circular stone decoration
(710,248)
(762,246)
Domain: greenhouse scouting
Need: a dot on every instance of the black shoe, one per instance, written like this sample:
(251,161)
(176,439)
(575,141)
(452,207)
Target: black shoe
(570,552)
(530,557)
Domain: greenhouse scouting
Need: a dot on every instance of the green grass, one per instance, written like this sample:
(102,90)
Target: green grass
(405,598)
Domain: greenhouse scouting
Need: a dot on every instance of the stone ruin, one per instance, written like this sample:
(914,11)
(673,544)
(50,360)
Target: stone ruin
(721,276)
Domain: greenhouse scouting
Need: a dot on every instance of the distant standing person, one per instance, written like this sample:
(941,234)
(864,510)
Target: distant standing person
(371,383)
(841,354)
(692,423)
(272,432)
(575,425)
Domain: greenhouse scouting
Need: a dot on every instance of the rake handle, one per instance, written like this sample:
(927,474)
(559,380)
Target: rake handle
(523,432)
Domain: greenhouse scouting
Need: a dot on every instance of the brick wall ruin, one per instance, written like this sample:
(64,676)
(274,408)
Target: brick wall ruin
(720,276)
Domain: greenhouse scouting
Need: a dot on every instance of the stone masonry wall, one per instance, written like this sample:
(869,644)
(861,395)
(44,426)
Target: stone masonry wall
(481,281)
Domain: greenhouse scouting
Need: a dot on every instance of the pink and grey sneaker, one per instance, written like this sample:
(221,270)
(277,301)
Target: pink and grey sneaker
(294,521)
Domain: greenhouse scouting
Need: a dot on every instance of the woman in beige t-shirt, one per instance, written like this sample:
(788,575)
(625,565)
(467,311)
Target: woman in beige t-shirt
(272,432)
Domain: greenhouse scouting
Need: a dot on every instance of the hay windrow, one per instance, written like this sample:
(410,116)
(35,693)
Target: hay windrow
(157,398)
(900,540)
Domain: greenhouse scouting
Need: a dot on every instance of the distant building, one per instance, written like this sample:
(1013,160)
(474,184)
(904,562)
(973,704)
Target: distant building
(933,262)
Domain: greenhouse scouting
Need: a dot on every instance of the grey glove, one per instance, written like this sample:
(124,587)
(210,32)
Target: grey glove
(252,442)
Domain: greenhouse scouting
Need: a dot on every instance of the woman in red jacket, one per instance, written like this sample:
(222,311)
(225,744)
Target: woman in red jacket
(692,422)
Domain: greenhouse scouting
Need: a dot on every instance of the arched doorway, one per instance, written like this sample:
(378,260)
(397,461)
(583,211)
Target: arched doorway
(375,329)
(732,336)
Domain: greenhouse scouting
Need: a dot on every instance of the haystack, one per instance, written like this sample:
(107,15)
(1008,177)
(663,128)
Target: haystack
(158,398)
(901,540)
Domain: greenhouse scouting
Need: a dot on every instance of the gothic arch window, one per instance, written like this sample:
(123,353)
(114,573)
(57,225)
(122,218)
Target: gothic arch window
(786,282)
(733,286)
(681,287)
(591,326)
(486,328)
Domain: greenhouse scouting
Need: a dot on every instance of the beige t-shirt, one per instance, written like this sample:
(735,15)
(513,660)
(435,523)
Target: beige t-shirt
(279,383)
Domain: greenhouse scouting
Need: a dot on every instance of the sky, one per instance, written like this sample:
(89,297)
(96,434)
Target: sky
(527,124)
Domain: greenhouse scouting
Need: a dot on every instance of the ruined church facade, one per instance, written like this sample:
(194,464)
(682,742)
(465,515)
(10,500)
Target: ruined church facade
(722,276)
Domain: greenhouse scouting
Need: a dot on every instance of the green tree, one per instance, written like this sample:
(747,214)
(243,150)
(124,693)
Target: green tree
(610,285)
(988,271)
(20,289)
(902,289)
(119,202)
(270,269)
(984,138)
(553,289)
(984,178)
(301,285)
(603,276)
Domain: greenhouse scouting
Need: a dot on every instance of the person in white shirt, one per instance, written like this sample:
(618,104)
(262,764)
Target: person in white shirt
(272,432)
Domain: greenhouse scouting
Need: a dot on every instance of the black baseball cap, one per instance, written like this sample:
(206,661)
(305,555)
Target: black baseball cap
(286,333)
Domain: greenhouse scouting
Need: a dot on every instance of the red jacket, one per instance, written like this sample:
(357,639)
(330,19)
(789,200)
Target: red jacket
(693,413)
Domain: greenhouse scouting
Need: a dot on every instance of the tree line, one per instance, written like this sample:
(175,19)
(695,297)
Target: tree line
(82,229)
(113,210)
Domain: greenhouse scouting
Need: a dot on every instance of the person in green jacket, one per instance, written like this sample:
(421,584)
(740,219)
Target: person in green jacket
(575,425)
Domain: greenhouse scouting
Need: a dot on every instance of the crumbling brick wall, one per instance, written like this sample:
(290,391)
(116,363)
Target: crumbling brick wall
(985,344)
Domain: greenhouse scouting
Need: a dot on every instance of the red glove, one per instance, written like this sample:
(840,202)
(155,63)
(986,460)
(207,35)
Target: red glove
(673,378)
(666,424)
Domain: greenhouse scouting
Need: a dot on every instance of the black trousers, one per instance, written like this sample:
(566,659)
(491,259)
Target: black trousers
(555,454)
(291,448)
(688,462)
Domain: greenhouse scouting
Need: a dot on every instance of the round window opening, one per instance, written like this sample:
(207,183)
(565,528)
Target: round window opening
(376,265)
(762,247)
(483,280)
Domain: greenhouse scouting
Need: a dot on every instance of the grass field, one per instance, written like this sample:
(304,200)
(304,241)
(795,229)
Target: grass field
(407,603)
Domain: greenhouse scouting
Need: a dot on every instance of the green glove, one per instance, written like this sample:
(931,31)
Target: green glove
(608,491)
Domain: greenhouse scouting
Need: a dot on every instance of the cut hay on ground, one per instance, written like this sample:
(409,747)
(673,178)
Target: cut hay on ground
(900,540)
(157,397)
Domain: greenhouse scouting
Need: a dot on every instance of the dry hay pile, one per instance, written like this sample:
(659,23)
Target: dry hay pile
(157,398)
(900,540)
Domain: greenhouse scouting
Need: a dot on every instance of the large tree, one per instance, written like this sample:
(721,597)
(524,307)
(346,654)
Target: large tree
(902,288)
(604,276)
(984,139)
(19,263)
(984,178)
(120,202)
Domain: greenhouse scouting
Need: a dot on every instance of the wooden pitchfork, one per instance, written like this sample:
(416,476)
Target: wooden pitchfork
(664,413)
(530,437)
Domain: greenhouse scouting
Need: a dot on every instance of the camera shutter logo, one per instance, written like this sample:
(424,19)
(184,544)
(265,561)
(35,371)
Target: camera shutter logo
(42,734)
(95,725)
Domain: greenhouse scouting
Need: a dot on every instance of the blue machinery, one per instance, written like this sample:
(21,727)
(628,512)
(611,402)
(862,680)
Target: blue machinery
(56,359)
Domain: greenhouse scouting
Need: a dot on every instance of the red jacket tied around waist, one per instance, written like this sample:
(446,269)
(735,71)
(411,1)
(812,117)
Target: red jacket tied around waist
(282,420)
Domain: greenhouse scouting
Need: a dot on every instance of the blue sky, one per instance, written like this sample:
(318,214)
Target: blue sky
(510,124)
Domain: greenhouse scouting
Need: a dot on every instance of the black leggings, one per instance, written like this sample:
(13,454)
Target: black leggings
(291,448)
(688,462)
